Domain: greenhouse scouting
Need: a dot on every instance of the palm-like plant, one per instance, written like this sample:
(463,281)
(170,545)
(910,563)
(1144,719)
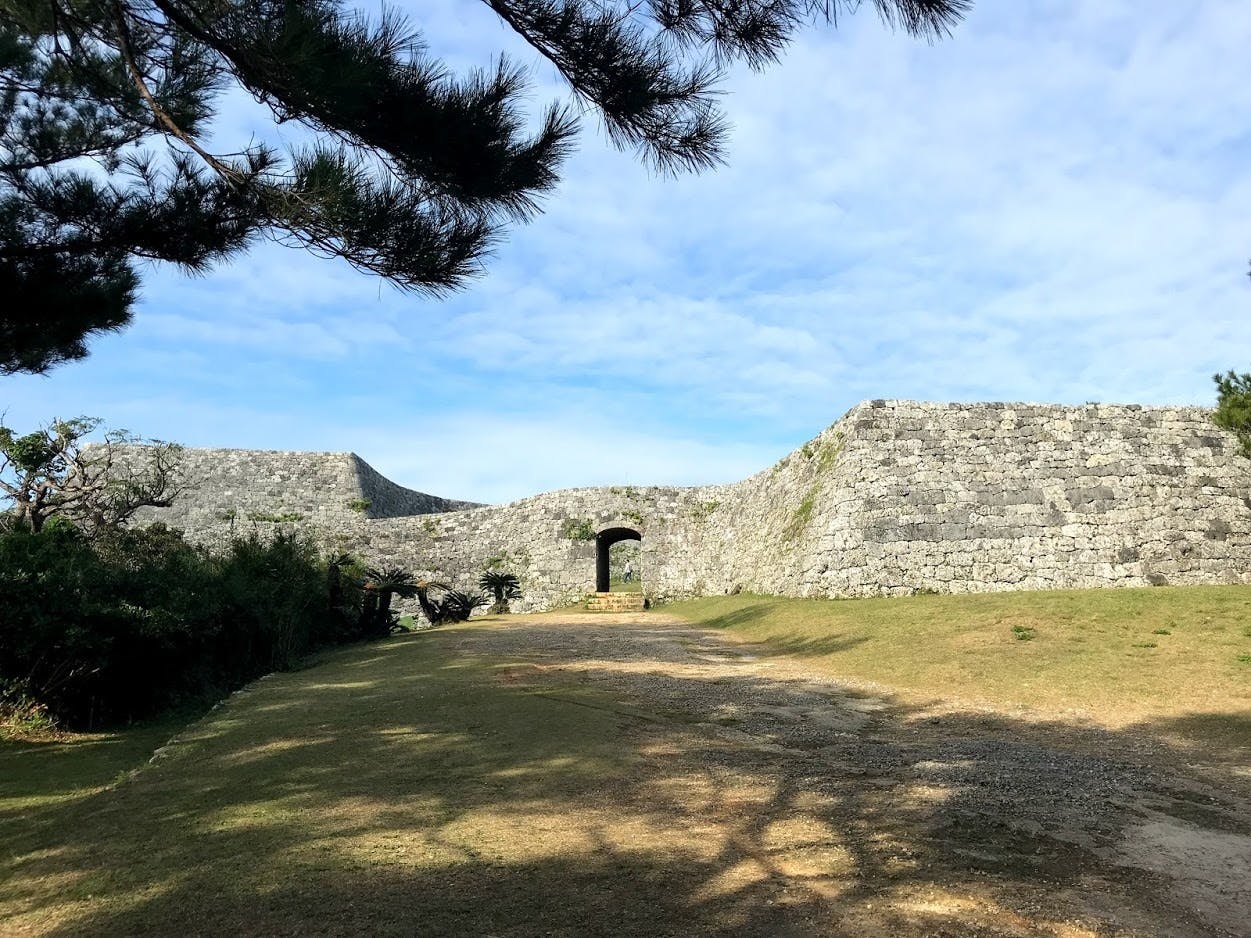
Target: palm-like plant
(334,578)
(430,608)
(459,605)
(382,583)
(453,606)
(504,586)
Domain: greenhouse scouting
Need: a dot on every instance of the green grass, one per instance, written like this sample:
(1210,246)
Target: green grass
(326,788)
(408,787)
(1120,655)
(70,767)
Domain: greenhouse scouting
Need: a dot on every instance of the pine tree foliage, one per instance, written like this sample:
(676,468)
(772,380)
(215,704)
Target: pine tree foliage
(105,107)
(1233,406)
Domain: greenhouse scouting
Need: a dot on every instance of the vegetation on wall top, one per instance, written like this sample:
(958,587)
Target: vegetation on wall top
(1233,406)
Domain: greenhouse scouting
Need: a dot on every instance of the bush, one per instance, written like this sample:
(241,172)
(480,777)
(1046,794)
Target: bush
(453,606)
(117,628)
(1233,406)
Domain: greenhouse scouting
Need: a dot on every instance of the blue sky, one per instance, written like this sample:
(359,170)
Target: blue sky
(1053,205)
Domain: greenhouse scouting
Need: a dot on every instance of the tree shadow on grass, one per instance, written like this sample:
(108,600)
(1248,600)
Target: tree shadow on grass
(439,784)
(740,616)
(812,646)
(64,766)
(1227,729)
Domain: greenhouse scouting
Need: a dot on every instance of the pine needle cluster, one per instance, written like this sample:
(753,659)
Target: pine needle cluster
(413,172)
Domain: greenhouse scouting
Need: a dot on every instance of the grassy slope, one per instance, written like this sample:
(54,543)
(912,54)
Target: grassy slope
(68,768)
(1178,654)
(364,783)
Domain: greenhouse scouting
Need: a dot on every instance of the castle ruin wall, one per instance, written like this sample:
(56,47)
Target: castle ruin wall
(895,498)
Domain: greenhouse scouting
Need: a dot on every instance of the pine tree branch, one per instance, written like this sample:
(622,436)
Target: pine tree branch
(124,45)
(648,101)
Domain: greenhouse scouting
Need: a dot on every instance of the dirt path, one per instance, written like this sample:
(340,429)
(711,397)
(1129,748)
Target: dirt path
(791,804)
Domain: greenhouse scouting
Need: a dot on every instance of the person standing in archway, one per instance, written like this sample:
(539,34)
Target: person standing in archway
(628,574)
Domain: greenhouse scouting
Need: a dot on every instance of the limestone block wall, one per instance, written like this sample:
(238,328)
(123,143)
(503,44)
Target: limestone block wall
(385,499)
(894,498)
(541,539)
(236,490)
(899,497)
(971,498)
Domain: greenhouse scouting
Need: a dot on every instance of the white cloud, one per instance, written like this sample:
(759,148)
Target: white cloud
(1053,205)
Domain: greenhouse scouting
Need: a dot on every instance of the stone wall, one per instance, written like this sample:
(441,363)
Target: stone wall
(899,497)
(237,490)
(896,497)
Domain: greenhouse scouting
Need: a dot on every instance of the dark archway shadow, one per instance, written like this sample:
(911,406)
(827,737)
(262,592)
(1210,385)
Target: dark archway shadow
(603,541)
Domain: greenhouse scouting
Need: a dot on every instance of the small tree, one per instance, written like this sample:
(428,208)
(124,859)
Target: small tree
(53,473)
(381,584)
(503,586)
(1233,406)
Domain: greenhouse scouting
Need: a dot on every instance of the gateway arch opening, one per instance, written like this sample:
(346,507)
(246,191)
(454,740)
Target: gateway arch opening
(604,541)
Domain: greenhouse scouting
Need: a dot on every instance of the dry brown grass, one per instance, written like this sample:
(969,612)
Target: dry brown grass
(1179,655)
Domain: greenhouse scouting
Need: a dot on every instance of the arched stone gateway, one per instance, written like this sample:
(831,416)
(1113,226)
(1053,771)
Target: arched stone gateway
(603,541)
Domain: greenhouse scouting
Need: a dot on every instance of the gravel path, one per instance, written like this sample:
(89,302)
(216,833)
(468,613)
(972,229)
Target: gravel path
(876,817)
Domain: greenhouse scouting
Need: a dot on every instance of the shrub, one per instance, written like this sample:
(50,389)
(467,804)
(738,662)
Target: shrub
(380,585)
(119,627)
(503,586)
(1233,406)
(459,604)
(453,606)
(578,529)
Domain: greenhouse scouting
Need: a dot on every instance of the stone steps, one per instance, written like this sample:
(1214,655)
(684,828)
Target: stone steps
(614,602)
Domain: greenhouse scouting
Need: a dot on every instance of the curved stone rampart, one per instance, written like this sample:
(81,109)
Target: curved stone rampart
(896,497)
(234,489)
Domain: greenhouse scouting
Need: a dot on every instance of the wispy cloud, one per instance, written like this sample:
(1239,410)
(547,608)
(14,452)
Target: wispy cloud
(1053,205)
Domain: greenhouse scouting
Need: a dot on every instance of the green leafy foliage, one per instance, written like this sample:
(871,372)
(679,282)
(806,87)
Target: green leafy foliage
(503,586)
(112,629)
(800,517)
(460,604)
(380,585)
(578,529)
(702,511)
(275,517)
(1233,406)
(453,605)
(51,473)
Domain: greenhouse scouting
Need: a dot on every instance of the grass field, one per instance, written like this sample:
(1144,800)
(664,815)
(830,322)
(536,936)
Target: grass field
(407,787)
(1179,657)
(387,769)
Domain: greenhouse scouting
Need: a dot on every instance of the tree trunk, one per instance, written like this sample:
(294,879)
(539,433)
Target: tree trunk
(334,586)
(427,608)
(369,610)
(382,620)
